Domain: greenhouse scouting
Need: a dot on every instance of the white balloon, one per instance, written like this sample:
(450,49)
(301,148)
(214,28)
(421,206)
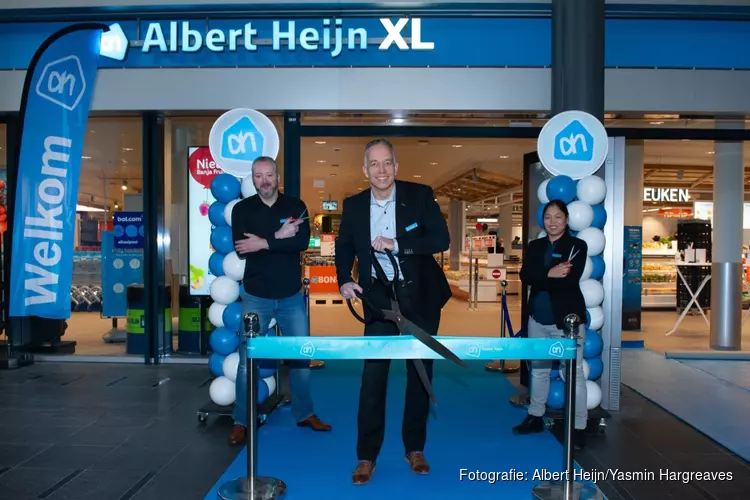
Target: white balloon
(225,290)
(593,394)
(248,188)
(215,314)
(221,391)
(233,266)
(230,365)
(597,318)
(586,371)
(228,211)
(271,383)
(587,269)
(594,239)
(580,215)
(591,190)
(541,192)
(593,293)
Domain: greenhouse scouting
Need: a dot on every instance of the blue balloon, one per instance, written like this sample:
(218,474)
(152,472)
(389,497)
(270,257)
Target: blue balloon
(221,239)
(554,373)
(540,216)
(588,318)
(215,363)
(224,341)
(556,397)
(225,188)
(215,264)
(600,217)
(596,367)
(561,187)
(597,267)
(267,372)
(216,213)
(593,345)
(232,316)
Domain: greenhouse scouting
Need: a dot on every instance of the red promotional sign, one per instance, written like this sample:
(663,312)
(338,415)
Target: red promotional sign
(323,279)
(203,168)
(496,273)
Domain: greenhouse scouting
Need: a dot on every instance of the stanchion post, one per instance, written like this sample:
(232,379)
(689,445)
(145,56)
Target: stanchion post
(499,365)
(569,488)
(253,486)
(476,284)
(315,364)
(471,262)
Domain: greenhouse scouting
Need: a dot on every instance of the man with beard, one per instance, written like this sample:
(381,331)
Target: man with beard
(269,231)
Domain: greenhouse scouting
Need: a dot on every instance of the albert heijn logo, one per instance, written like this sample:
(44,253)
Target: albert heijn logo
(242,141)
(574,143)
(239,137)
(62,82)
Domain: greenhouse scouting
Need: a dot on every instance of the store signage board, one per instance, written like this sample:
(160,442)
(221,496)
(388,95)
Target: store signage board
(330,36)
(669,195)
(573,143)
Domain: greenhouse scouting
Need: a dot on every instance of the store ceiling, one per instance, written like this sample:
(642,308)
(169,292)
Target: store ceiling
(332,167)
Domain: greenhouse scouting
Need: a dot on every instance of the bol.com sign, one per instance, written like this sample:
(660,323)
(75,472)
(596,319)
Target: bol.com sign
(242,141)
(574,143)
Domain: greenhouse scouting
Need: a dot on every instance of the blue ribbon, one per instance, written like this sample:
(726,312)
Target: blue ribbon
(408,347)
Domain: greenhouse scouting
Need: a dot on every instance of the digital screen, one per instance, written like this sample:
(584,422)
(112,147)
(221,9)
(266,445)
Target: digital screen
(331,206)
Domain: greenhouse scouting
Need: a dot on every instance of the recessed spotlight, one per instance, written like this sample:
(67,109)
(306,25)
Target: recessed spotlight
(709,152)
(458,145)
(321,192)
(433,163)
(336,150)
(82,157)
(334,175)
(398,120)
(320,142)
(504,157)
(127,149)
(321,161)
(417,176)
(335,165)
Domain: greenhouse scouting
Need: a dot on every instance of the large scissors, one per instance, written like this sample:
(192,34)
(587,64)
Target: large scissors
(405,326)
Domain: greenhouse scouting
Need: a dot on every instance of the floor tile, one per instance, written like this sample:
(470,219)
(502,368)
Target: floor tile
(133,457)
(72,456)
(14,454)
(98,485)
(30,482)
(177,486)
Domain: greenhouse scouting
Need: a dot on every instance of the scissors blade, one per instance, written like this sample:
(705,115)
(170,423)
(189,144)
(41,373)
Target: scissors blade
(425,380)
(409,328)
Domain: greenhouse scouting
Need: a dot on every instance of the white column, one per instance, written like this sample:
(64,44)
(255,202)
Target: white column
(633,211)
(505,225)
(456,227)
(726,262)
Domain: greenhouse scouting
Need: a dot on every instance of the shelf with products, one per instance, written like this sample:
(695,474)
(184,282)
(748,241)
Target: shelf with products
(658,277)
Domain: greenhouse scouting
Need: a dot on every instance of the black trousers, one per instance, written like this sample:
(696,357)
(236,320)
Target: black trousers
(372,395)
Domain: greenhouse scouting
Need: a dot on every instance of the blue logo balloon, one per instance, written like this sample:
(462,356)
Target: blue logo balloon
(225,188)
(561,187)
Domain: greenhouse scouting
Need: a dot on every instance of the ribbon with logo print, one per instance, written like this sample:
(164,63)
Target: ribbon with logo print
(53,117)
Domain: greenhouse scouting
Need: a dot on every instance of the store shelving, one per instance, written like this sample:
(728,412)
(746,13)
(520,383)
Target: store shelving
(659,278)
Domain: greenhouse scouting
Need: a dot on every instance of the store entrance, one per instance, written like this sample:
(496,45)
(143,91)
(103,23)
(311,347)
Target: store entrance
(478,185)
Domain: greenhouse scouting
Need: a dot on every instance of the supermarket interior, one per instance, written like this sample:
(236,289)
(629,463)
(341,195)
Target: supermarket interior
(478,184)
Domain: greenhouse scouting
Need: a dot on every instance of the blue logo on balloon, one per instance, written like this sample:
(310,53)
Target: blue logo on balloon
(574,143)
(242,141)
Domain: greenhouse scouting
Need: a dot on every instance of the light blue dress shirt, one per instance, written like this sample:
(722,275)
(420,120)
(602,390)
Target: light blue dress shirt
(383,223)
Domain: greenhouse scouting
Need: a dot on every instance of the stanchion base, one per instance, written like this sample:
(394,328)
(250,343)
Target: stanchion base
(316,364)
(555,490)
(500,366)
(265,488)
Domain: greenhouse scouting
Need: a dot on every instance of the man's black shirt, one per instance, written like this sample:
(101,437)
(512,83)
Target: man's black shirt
(274,273)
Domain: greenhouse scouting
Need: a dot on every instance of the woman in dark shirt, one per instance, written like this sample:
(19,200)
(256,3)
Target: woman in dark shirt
(552,268)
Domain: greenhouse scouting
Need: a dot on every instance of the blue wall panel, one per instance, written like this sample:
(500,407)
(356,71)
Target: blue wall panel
(473,42)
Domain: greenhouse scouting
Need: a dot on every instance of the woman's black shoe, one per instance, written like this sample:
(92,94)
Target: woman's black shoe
(530,424)
(579,439)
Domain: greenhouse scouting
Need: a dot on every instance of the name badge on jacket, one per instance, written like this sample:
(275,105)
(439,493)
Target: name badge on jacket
(412,226)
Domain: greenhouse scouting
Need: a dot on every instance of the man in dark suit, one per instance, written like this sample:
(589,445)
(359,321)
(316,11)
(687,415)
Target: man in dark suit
(402,217)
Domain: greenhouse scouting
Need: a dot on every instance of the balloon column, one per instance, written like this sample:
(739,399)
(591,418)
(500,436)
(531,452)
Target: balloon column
(587,218)
(225,313)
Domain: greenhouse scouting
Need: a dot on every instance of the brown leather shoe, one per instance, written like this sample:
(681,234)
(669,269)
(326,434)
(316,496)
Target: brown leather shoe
(315,424)
(363,472)
(238,434)
(417,462)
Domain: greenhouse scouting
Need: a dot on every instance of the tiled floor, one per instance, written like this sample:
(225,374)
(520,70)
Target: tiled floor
(120,432)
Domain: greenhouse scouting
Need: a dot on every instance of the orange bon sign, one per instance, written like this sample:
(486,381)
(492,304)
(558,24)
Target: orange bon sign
(322,279)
